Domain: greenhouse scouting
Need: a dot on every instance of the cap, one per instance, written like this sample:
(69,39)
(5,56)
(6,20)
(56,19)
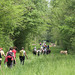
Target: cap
(1,48)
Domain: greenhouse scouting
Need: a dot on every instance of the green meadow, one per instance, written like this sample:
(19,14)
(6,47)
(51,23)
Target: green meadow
(52,64)
(27,23)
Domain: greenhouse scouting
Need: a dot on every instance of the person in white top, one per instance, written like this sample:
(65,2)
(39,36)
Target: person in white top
(1,53)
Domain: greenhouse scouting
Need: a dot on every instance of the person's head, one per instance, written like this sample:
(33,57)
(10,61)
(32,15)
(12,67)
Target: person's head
(10,48)
(22,48)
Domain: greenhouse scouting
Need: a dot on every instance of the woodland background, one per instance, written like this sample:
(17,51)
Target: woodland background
(24,22)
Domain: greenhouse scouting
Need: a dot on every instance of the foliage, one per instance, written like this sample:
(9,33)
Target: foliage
(62,23)
(25,21)
(22,21)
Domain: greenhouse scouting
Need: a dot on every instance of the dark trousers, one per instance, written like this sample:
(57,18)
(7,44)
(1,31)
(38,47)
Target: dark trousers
(0,62)
(22,58)
(14,62)
(9,63)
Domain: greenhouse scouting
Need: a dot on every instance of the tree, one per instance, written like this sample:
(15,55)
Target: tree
(62,22)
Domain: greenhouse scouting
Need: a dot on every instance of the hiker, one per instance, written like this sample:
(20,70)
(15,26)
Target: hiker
(34,51)
(48,51)
(44,50)
(41,49)
(9,58)
(1,53)
(40,44)
(14,51)
(48,47)
(38,51)
(22,56)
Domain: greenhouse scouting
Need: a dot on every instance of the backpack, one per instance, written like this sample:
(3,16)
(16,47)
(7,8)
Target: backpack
(10,54)
(21,53)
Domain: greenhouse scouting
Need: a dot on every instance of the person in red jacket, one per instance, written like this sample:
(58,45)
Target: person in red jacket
(9,58)
(14,51)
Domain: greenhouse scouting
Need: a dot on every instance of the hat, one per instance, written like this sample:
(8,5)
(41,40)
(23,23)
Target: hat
(22,47)
(1,48)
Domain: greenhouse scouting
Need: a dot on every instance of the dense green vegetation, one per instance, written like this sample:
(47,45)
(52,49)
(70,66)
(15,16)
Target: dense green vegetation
(24,22)
(52,64)
(21,22)
(27,22)
(62,21)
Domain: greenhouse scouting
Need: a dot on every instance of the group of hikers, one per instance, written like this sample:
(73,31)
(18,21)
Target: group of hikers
(44,49)
(10,57)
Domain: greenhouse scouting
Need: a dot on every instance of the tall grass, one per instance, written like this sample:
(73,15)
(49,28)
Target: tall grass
(52,64)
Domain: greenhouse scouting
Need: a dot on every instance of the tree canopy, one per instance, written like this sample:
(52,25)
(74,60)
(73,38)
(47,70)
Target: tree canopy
(23,22)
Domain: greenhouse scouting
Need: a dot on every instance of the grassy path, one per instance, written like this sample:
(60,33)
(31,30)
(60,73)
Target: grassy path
(52,64)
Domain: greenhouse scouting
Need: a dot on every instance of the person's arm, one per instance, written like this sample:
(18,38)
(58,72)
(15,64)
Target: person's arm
(13,56)
(6,53)
(3,53)
(5,57)
(26,55)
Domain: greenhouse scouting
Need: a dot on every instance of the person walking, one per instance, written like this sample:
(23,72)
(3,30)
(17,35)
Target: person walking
(22,56)
(14,51)
(9,58)
(1,53)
